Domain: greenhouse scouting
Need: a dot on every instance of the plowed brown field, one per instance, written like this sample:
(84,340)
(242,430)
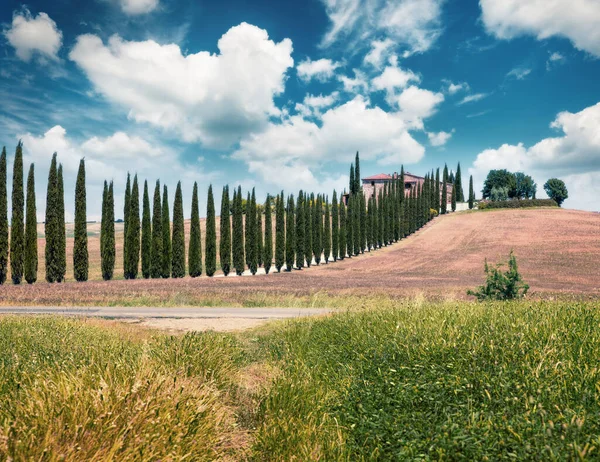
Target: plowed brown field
(558,252)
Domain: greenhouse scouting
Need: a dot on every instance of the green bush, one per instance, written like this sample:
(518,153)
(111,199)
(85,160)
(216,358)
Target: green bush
(500,285)
(516,204)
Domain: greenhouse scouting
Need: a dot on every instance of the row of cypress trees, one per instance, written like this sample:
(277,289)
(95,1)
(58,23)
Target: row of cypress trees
(308,228)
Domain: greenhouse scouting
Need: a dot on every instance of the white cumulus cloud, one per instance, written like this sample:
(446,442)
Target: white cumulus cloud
(135,7)
(576,20)
(439,138)
(30,36)
(321,69)
(212,98)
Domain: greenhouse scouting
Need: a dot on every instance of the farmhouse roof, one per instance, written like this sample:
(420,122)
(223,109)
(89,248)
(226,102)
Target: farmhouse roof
(379,176)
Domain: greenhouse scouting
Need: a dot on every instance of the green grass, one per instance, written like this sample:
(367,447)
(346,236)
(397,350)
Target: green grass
(386,380)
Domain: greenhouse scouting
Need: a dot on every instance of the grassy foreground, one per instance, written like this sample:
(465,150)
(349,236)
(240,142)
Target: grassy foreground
(411,381)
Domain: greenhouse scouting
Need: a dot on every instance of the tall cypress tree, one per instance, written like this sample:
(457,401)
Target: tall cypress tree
(51,229)
(375,222)
(259,237)
(252,229)
(300,229)
(438,191)
(3,219)
(352,181)
(327,233)
(31,251)
(238,233)
(107,252)
(335,227)
(62,232)
(166,233)
(356,174)
(289,234)
(156,265)
(381,217)
(318,230)
(211,234)
(103,226)
(349,250)
(133,232)
(178,239)
(126,205)
(248,222)
(453,198)
(268,247)
(195,251)
(444,197)
(146,234)
(279,233)
(342,233)
(356,223)
(17,223)
(460,195)
(308,230)
(80,247)
(225,230)
(363,222)
(471,193)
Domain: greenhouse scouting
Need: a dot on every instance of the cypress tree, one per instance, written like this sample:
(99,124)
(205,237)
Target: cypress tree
(308,230)
(51,228)
(444,197)
(300,229)
(349,250)
(342,231)
(317,230)
(211,235)
(103,226)
(437,191)
(238,233)
(289,235)
(279,233)
(453,198)
(225,230)
(156,266)
(351,182)
(108,231)
(3,219)
(195,250)
(253,227)
(259,237)
(133,232)
(383,216)
(126,205)
(363,222)
(248,230)
(80,247)
(356,223)
(17,223)
(460,195)
(327,233)
(31,251)
(335,226)
(62,232)
(375,222)
(166,233)
(356,174)
(268,247)
(146,234)
(471,193)
(178,239)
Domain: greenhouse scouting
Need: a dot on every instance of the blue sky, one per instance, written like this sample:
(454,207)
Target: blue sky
(281,95)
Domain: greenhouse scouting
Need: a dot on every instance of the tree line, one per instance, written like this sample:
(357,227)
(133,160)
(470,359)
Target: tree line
(309,229)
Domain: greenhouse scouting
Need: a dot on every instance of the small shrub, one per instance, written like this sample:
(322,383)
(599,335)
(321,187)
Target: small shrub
(500,285)
(516,204)
(433,213)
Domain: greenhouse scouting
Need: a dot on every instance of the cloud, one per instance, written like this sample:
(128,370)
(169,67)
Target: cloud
(287,153)
(575,20)
(34,36)
(439,138)
(573,157)
(453,88)
(472,98)
(519,73)
(356,84)
(414,24)
(555,59)
(135,7)
(313,105)
(392,78)
(212,98)
(105,158)
(321,69)
(379,49)
(417,104)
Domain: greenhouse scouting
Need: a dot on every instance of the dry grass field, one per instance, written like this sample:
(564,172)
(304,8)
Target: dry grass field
(557,250)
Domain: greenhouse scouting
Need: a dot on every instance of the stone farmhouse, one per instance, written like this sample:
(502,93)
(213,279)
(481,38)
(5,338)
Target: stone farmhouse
(373,184)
